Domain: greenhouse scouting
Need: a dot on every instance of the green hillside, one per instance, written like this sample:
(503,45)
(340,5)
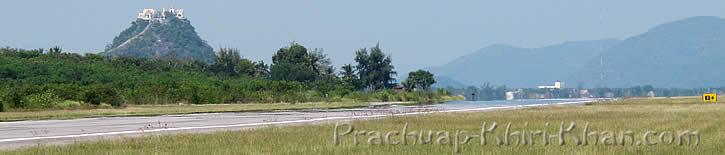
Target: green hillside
(175,38)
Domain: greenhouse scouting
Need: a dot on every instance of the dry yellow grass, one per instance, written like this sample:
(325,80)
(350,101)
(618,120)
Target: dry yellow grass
(151,110)
(148,110)
(637,115)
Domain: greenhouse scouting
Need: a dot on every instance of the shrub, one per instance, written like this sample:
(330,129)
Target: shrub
(13,99)
(384,95)
(102,94)
(105,106)
(47,99)
(359,96)
(69,105)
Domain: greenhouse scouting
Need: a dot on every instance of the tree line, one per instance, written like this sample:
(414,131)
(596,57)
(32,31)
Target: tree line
(42,79)
(487,91)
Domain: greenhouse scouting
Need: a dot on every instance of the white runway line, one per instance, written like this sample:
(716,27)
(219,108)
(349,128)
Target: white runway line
(281,122)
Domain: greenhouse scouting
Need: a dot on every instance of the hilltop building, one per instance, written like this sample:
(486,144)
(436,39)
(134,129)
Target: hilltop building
(557,85)
(153,15)
(160,34)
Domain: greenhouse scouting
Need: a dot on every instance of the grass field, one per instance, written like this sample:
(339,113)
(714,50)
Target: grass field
(150,110)
(637,115)
(166,109)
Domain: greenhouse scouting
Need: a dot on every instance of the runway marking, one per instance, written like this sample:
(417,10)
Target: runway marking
(284,122)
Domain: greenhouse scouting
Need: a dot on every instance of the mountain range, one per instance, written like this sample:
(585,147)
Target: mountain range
(686,53)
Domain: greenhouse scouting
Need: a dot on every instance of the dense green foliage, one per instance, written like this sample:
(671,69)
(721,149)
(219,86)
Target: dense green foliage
(40,79)
(295,63)
(375,69)
(348,76)
(230,63)
(419,80)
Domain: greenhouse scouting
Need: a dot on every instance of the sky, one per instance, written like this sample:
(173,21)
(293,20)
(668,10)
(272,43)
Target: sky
(417,33)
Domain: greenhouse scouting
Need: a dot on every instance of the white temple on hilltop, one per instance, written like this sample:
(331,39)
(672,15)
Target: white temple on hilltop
(152,15)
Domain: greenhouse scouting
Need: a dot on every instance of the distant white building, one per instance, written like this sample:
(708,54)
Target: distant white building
(557,85)
(651,94)
(509,95)
(152,15)
(584,93)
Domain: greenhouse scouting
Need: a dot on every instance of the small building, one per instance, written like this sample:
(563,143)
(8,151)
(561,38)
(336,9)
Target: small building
(584,93)
(516,94)
(557,85)
(509,95)
(651,94)
(398,89)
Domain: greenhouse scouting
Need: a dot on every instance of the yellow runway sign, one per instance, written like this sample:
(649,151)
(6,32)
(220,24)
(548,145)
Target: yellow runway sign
(709,97)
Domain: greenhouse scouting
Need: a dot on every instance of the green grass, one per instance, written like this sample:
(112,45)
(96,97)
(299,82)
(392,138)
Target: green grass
(637,115)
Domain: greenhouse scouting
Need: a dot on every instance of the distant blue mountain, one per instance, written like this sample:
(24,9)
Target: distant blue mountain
(685,53)
(513,66)
(446,82)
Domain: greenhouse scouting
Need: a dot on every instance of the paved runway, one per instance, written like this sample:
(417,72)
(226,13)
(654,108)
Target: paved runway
(28,133)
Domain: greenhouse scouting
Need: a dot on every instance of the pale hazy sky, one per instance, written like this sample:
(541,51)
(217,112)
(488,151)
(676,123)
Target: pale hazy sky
(417,33)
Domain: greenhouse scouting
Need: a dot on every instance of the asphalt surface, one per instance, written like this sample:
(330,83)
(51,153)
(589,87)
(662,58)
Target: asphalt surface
(20,134)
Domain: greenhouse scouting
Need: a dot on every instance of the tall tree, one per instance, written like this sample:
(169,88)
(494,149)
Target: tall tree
(419,80)
(321,63)
(229,62)
(294,54)
(295,63)
(348,76)
(261,70)
(408,84)
(363,67)
(55,51)
(375,69)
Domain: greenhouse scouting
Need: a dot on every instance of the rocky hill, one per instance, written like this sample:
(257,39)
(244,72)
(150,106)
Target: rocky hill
(173,38)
